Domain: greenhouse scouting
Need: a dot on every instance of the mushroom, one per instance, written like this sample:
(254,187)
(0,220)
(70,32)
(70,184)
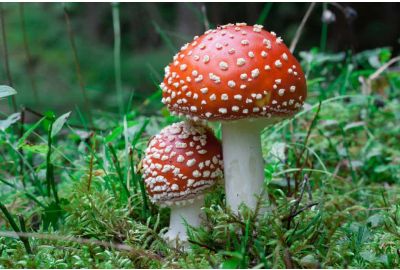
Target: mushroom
(246,78)
(180,164)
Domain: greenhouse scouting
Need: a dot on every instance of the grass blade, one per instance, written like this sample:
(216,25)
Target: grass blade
(14,225)
(264,13)
(117,56)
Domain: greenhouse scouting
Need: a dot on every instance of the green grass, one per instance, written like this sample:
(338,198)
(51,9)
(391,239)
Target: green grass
(333,188)
(72,189)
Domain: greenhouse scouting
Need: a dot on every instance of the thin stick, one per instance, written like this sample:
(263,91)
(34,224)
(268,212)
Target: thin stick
(301,26)
(28,53)
(77,65)
(83,241)
(383,68)
(5,52)
(117,56)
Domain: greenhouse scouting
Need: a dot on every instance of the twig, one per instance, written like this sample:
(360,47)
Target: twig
(383,68)
(5,52)
(202,245)
(77,65)
(28,53)
(117,246)
(297,203)
(301,26)
(287,258)
(305,144)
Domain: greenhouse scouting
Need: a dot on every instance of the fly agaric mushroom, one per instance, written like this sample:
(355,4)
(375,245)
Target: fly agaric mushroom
(180,163)
(246,78)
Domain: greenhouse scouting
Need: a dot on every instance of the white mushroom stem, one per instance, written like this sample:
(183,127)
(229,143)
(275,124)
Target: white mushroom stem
(243,162)
(189,212)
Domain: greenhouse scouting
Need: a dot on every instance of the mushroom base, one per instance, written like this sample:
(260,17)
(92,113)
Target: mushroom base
(243,161)
(180,214)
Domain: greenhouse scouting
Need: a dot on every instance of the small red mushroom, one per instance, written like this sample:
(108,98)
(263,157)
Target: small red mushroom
(245,77)
(180,164)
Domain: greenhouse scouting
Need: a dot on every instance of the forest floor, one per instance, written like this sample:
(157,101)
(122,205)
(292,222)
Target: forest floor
(332,174)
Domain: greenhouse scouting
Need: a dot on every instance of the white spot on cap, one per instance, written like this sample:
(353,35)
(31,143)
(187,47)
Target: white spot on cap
(206,59)
(224,97)
(191,162)
(243,76)
(255,73)
(204,90)
(214,78)
(251,54)
(223,65)
(263,54)
(281,92)
(278,63)
(183,67)
(231,84)
(240,62)
(180,158)
(223,110)
(292,88)
(175,187)
(213,97)
(235,108)
(237,97)
(196,174)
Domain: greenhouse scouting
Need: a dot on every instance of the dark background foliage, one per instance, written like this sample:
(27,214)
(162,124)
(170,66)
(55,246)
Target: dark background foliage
(150,34)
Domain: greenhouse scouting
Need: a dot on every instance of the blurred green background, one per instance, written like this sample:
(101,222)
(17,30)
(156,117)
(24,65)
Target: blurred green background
(41,58)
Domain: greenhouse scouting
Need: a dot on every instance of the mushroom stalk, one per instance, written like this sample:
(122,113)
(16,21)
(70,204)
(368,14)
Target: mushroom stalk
(189,213)
(243,162)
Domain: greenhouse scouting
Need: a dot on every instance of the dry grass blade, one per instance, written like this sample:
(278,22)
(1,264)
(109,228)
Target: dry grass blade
(77,64)
(301,27)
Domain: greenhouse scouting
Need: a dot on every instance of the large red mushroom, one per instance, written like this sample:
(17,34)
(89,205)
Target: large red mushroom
(246,78)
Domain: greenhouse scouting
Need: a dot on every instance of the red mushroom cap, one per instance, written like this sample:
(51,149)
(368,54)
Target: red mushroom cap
(180,162)
(233,72)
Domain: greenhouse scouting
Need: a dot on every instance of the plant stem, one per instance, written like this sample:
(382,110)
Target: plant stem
(118,168)
(117,56)
(5,52)
(77,65)
(264,13)
(28,53)
(23,229)
(14,225)
(133,174)
(324,31)
(51,185)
